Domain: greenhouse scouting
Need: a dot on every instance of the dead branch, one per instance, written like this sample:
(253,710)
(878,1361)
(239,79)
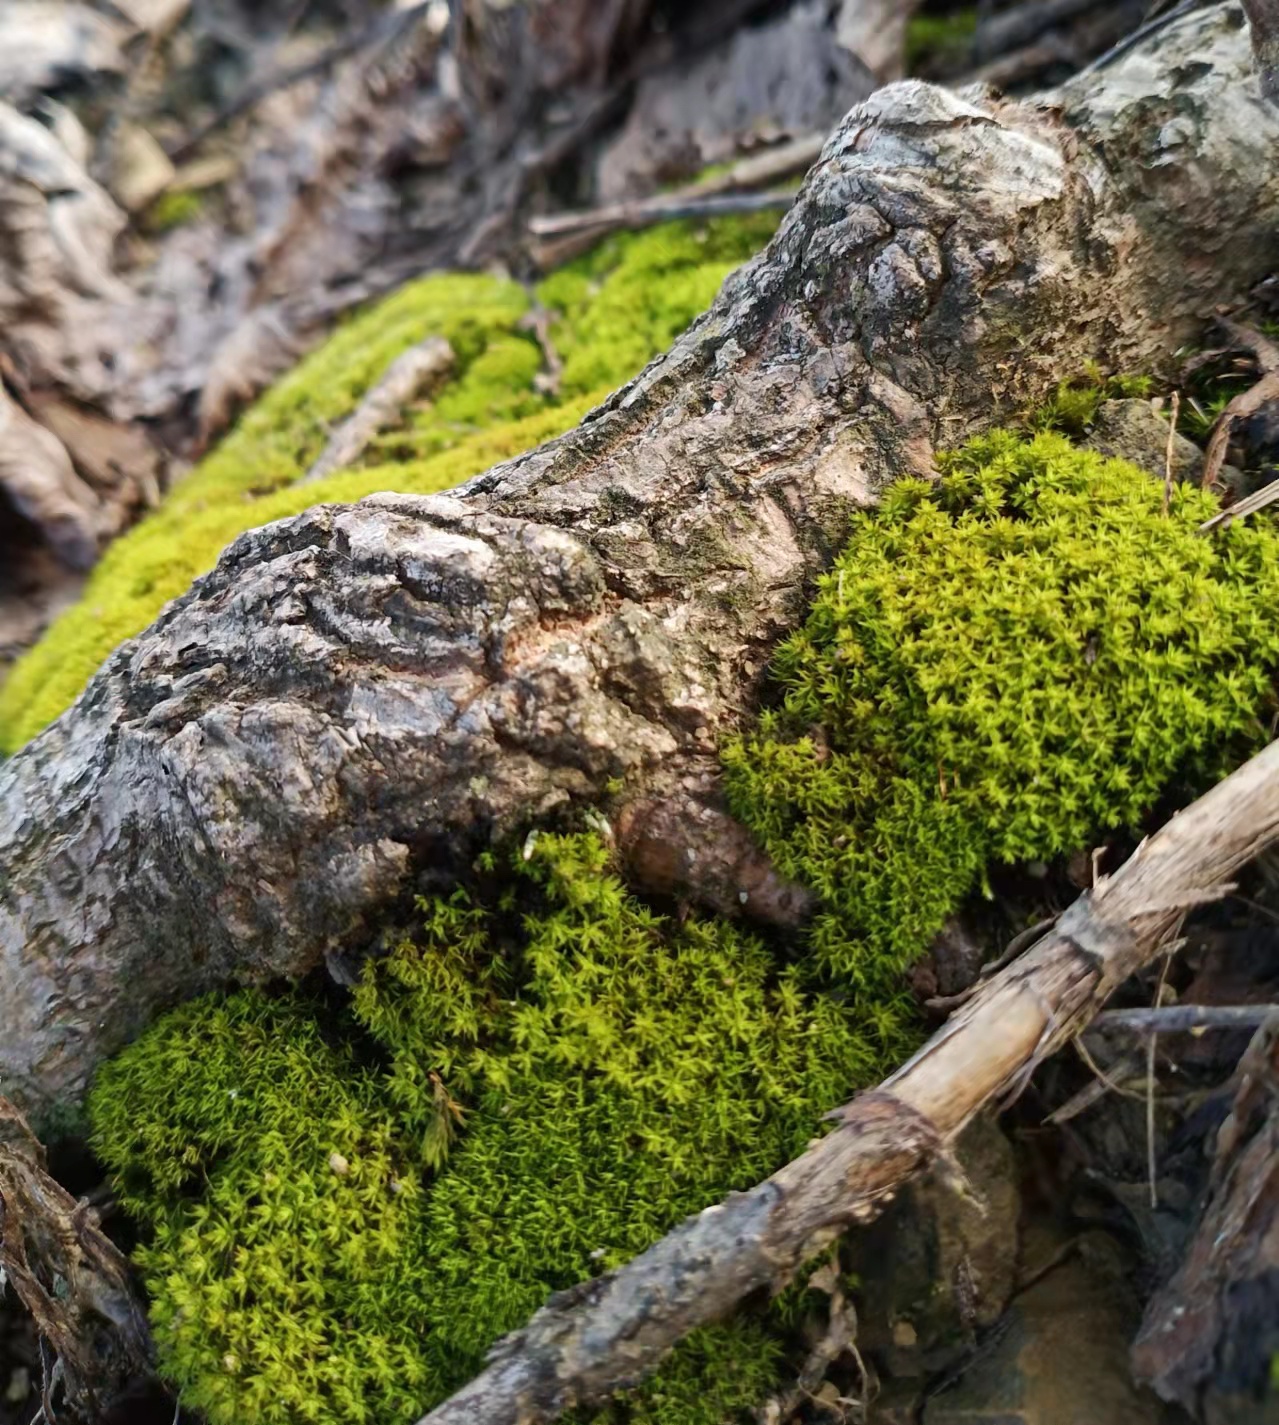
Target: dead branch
(68,1275)
(585,1344)
(747,174)
(412,374)
(1258,500)
(582,230)
(1182,1018)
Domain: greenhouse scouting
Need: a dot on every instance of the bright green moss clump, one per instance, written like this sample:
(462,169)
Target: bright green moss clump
(1000,668)
(566,1076)
(620,305)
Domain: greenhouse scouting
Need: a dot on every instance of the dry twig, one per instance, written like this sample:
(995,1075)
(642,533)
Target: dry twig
(1258,500)
(413,372)
(1168,453)
(757,171)
(1182,1018)
(562,236)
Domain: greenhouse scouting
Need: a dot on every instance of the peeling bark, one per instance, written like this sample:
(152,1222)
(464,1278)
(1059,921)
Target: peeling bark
(360,694)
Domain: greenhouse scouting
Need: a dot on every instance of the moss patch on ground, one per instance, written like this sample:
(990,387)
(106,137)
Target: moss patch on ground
(1001,667)
(559,1076)
(617,307)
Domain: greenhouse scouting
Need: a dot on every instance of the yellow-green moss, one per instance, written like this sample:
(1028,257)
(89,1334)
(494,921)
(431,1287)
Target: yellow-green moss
(171,209)
(620,305)
(1072,408)
(1001,667)
(566,1076)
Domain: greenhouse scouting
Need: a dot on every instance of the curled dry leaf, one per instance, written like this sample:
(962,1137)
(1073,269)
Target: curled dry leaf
(40,481)
(43,43)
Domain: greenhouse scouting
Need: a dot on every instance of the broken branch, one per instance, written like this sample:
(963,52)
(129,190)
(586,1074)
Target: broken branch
(415,371)
(1183,1018)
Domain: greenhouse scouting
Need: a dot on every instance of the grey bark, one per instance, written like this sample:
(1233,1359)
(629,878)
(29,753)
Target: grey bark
(360,695)
(609,1333)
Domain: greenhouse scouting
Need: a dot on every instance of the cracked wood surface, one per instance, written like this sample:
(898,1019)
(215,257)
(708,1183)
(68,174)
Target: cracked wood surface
(363,695)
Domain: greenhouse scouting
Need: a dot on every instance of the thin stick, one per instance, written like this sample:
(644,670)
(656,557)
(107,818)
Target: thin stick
(1096,1089)
(1150,1120)
(1151,1165)
(757,171)
(1258,500)
(413,373)
(1172,437)
(666,207)
(614,1330)
(1181,1018)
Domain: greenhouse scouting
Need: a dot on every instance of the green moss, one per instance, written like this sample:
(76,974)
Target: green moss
(631,297)
(566,1076)
(998,667)
(171,209)
(1001,667)
(1073,406)
(940,41)
(620,306)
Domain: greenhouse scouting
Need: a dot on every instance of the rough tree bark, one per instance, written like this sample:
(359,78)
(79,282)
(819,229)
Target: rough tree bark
(362,694)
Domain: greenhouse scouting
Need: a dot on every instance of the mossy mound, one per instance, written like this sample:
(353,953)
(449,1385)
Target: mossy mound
(1002,667)
(618,307)
(564,1076)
